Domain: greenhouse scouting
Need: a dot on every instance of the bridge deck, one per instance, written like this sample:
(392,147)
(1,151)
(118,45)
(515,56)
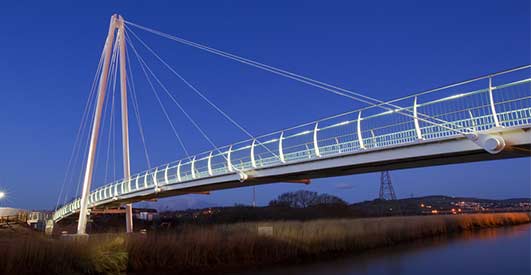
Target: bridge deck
(354,142)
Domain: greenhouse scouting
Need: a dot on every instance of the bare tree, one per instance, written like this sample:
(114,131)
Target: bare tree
(303,199)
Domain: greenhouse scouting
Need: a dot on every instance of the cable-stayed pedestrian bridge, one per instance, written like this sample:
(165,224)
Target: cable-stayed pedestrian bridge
(479,119)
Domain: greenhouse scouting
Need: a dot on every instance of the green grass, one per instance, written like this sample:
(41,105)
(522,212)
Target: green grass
(194,249)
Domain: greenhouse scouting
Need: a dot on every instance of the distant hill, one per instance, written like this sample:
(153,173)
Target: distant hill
(427,204)
(374,208)
(444,199)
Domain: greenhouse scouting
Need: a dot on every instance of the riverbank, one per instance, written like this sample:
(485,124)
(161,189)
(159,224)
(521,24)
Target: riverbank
(217,248)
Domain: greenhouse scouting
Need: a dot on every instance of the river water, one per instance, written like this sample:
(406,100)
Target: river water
(500,251)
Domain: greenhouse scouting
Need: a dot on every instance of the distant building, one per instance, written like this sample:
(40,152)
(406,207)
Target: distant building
(38,219)
(8,211)
(145,214)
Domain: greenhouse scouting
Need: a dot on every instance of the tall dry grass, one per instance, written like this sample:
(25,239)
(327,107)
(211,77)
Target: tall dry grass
(195,249)
(33,253)
(234,246)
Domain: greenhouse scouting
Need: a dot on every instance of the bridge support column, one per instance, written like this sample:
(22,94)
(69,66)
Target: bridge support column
(116,26)
(102,88)
(125,119)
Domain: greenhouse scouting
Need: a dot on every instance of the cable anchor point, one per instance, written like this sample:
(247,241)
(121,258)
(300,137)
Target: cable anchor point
(490,142)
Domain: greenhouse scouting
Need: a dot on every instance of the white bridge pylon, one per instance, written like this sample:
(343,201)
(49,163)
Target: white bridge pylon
(116,28)
(342,144)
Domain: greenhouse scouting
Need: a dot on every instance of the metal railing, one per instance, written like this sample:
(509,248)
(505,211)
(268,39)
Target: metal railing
(498,100)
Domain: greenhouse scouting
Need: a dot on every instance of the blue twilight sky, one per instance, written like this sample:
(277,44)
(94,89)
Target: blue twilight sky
(385,49)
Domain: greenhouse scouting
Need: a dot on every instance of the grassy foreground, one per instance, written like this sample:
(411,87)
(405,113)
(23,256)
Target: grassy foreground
(194,249)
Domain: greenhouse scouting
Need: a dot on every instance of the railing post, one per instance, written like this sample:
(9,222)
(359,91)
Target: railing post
(209,164)
(473,121)
(492,106)
(192,167)
(416,119)
(166,174)
(145,180)
(308,151)
(179,171)
(136,182)
(374,145)
(229,163)
(253,160)
(315,143)
(155,181)
(280,148)
(360,137)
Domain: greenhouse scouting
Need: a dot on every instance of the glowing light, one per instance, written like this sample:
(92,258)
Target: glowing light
(2,195)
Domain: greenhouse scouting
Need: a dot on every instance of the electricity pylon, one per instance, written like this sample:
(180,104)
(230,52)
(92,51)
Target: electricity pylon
(387,192)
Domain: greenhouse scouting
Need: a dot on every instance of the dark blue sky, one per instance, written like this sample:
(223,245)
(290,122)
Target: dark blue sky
(385,49)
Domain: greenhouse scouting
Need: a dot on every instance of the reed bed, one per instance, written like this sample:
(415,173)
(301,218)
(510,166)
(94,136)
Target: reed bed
(217,248)
(236,246)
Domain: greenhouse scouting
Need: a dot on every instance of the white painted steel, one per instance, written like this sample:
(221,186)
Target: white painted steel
(360,136)
(315,142)
(280,148)
(102,88)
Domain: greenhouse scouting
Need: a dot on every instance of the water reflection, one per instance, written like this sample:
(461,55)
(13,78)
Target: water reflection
(490,251)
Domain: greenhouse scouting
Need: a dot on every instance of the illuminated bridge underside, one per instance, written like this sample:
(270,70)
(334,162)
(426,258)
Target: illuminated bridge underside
(356,142)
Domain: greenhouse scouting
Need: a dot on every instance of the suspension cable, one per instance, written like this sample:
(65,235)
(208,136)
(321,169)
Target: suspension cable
(111,73)
(196,90)
(309,81)
(181,143)
(84,117)
(136,109)
(111,123)
(192,87)
(145,66)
